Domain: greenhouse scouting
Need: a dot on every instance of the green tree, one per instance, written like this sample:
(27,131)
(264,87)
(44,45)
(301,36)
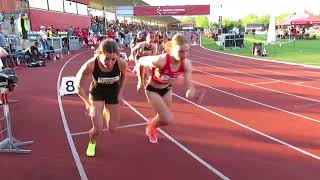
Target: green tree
(202,21)
(281,17)
(187,19)
(227,23)
(254,19)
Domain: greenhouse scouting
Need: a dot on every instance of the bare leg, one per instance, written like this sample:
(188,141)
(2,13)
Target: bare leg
(161,106)
(114,116)
(97,120)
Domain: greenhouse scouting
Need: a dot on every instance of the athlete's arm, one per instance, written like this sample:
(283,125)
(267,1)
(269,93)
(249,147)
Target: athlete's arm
(152,61)
(123,66)
(135,49)
(84,73)
(190,93)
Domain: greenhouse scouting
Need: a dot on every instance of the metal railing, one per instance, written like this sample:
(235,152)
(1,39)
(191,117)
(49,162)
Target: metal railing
(9,144)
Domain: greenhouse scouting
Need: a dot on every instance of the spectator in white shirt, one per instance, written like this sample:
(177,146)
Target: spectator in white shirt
(44,38)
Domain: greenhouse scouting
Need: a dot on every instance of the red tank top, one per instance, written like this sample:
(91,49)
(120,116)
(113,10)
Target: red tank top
(164,75)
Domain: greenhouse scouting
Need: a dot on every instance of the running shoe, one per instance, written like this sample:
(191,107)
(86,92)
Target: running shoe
(152,134)
(91,150)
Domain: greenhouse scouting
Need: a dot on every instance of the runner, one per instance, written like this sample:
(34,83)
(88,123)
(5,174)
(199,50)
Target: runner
(109,73)
(165,69)
(145,48)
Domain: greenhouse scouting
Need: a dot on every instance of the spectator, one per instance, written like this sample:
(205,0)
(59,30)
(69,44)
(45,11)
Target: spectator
(12,24)
(44,38)
(33,53)
(23,29)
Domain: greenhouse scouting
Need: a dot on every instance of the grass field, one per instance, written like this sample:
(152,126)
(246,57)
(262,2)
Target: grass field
(298,51)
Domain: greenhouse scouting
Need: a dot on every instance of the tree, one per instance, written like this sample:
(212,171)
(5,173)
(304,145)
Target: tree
(188,19)
(254,19)
(202,21)
(282,17)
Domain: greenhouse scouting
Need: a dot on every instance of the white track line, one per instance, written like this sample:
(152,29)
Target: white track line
(269,82)
(259,87)
(260,59)
(261,68)
(256,102)
(277,62)
(193,155)
(65,124)
(260,76)
(302,82)
(251,129)
(106,129)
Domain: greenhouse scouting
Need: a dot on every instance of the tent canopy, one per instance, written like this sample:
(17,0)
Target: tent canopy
(304,18)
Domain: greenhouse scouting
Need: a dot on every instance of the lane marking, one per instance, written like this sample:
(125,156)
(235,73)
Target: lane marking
(250,100)
(260,76)
(74,152)
(265,60)
(302,82)
(189,152)
(268,82)
(259,87)
(251,129)
(106,129)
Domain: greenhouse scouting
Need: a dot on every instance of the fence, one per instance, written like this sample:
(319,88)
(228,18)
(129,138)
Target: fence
(74,43)
(9,144)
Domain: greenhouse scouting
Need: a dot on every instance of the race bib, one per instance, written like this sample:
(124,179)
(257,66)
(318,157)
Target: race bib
(108,80)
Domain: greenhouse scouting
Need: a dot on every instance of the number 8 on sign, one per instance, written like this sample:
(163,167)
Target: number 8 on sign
(70,86)
(67,86)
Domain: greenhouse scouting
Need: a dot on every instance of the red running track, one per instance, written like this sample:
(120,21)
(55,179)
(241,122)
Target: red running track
(259,120)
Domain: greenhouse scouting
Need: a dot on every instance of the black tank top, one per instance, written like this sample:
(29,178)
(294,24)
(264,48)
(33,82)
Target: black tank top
(105,80)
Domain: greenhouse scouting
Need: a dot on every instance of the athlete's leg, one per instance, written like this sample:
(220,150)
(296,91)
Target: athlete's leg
(114,114)
(96,113)
(161,106)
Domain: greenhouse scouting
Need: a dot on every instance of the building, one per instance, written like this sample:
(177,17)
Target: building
(61,14)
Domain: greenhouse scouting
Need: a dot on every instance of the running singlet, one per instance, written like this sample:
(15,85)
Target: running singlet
(164,75)
(103,81)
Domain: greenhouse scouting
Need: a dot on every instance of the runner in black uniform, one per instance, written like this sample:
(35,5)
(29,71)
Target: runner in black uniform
(108,71)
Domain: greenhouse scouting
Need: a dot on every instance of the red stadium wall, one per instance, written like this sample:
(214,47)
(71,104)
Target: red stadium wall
(82,1)
(58,20)
(7,5)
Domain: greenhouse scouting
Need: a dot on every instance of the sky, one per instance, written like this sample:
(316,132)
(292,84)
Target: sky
(237,9)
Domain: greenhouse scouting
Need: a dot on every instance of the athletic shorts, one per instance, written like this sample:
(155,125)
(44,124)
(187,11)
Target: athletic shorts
(108,98)
(160,91)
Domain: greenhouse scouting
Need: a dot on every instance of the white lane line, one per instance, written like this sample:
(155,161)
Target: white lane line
(266,105)
(193,155)
(252,129)
(75,154)
(259,87)
(269,82)
(260,76)
(261,59)
(106,129)
(302,82)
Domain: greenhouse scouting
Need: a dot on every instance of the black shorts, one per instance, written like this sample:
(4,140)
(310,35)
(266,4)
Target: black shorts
(161,92)
(108,98)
